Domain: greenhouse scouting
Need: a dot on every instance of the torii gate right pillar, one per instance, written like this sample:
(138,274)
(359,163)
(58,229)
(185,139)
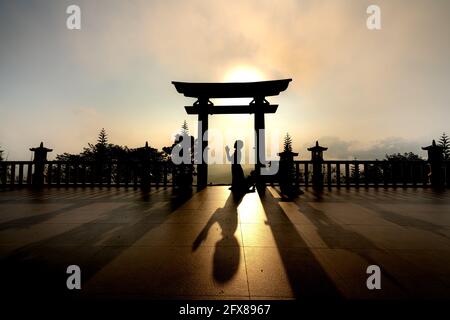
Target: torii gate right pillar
(260,141)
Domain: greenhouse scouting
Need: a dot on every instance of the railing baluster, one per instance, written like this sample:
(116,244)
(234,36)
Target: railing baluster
(13,174)
(306,174)
(297,175)
(67,173)
(150,177)
(447,173)
(99,175)
(49,173)
(92,180)
(366,174)
(58,174)
(117,175)
(135,175)
(4,173)
(29,173)
(347,174)
(376,171)
(156,166)
(404,173)
(385,174)
(20,174)
(2,170)
(83,174)
(329,175)
(165,174)
(338,174)
(424,173)
(75,173)
(126,174)
(394,175)
(109,174)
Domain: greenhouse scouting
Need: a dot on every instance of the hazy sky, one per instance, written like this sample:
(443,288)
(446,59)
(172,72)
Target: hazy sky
(359,92)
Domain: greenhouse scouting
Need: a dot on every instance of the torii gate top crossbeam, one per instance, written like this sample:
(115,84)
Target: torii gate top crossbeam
(232,89)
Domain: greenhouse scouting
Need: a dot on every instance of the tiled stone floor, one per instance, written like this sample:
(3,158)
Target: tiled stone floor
(208,245)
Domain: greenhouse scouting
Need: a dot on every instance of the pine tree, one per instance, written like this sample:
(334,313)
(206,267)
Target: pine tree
(287,143)
(287,169)
(102,151)
(444,142)
(102,138)
(184,128)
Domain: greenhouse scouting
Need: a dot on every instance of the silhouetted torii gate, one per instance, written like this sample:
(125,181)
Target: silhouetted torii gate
(203,107)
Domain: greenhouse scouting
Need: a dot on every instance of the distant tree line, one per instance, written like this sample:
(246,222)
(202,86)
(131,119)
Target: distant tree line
(103,151)
(111,163)
(118,164)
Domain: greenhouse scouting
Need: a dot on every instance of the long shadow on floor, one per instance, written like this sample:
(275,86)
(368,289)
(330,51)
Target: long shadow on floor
(41,197)
(227,250)
(335,236)
(306,275)
(406,221)
(38,271)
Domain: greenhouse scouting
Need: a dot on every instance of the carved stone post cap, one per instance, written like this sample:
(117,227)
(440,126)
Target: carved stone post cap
(433,146)
(317,147)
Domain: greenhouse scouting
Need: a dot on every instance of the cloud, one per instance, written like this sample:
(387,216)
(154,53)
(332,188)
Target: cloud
(348,81)
(340,149)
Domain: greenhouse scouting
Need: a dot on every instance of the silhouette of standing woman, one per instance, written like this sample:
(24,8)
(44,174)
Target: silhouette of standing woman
(238,182)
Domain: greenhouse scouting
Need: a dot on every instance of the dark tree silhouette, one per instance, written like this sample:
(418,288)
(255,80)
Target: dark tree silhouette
(444,142)
(287,169)
(182,174)
(287,143)
(184,128)
(396,164)
(101,151)
(102,138)
(408,156)
(103,154)
(374,173)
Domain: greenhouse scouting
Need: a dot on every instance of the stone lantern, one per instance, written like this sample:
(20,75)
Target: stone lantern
(317,160)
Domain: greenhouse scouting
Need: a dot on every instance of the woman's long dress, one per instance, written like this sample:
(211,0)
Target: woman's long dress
(238,182)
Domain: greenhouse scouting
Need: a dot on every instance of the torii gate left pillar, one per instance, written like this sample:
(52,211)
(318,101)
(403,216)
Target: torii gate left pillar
(203,107)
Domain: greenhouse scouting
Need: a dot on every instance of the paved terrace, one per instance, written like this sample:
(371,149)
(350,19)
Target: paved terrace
(209,245)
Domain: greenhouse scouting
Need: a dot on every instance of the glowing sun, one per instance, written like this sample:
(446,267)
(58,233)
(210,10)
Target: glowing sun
(243,74)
